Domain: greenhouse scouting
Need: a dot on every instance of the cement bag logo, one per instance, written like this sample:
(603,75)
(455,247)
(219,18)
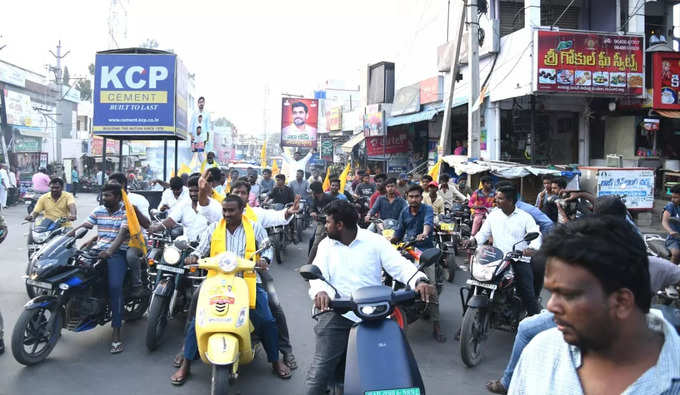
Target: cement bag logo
(135,79)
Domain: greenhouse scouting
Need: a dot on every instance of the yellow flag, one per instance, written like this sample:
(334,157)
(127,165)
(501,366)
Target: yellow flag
(343,178)
(184,169)
(434,171)
(327,180)
(275,168)
(263,155)
(136,236)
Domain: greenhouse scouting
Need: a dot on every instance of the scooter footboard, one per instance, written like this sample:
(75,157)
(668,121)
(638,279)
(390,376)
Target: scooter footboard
(223,349)
(380,358)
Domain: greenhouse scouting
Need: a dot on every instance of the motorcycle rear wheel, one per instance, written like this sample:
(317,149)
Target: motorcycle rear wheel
(157,322)
(31,329)
(219,383)
(134,309)
(471,336)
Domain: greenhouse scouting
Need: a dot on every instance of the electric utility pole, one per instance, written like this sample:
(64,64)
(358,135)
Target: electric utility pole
(455,54)
(58,81)
(473,66)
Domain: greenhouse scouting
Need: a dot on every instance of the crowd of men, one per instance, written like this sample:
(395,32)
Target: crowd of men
(596,267)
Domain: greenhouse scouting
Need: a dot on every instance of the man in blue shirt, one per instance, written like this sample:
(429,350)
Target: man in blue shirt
(672,210)
(390,205)
(416,222)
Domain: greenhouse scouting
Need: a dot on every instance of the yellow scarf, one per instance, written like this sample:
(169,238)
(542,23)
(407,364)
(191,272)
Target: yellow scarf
(217,196)
(218,242)
(136,236)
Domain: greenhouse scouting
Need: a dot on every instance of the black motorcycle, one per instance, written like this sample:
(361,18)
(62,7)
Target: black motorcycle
(173,287)
(40,233)
(76,298)
(30,198)
(490,299)
(281,235)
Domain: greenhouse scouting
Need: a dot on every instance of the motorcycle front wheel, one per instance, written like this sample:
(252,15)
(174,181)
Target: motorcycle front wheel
(134,308)
(157,322)
(35,334)
(219,384)
(471,336)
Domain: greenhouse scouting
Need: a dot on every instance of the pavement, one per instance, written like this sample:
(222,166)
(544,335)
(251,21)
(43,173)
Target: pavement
(81,363)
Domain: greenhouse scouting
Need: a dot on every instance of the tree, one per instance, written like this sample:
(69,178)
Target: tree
(85,87)
(90,68)
(222,121)
(66,77)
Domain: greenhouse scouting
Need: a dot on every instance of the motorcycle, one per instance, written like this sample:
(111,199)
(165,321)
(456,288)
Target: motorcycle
(173,286)
(280,236)
(447,239)
(223,327)
(301,220)
(76,298)
(362,205)
(492,301)
(656,243)
(378,359)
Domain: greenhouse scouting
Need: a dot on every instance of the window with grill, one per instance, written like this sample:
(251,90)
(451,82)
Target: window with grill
(512,16)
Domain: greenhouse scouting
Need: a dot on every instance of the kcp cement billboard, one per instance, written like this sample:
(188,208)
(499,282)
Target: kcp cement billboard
(140,96)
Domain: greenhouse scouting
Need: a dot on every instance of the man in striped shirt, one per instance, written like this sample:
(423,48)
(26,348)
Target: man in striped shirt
(112,231)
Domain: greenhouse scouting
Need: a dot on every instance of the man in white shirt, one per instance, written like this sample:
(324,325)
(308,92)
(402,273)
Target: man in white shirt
(4,186)
(134,255)
(191,214)
(297,162)
(350,258)
(508,225)
(203,122)
(174,195)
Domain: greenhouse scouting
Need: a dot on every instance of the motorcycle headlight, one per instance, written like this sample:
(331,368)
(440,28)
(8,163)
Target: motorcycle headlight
(171,255)
(40,237)
(483,272)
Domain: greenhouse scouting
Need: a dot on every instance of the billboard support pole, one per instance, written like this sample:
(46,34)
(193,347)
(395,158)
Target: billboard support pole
(176,145)
(165,160)
(103,160)
(120,155)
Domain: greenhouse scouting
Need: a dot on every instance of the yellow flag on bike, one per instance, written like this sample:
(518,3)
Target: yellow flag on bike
(263,155)
(327,180)
(136,236)
(343,178)
(434,171)
(275,167)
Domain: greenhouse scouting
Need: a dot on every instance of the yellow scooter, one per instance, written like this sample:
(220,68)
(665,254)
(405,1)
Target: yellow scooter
(223,326)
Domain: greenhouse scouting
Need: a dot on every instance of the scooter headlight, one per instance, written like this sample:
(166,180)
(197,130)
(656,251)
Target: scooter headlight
(228,262)
(484,272)
(171,255)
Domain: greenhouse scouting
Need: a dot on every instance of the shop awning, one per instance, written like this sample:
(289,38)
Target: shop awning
(31,132)
(668,113)
(354,140)
(425,115)
(507,170)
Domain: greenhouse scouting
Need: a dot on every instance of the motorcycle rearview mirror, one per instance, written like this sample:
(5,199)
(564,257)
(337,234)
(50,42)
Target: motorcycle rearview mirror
(429,257)
(154,212)
(312,272)
(531,236)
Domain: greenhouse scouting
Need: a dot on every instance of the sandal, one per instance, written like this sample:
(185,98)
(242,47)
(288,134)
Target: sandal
(282,373)
(116,347)
(179,358)
(496,387)
(180,380)
(289,360)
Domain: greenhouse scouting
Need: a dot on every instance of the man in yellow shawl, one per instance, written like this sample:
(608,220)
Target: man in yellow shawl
(235,233)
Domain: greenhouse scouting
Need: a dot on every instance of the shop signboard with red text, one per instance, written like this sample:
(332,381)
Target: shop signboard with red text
(395,142)
(666,80)
(577,62)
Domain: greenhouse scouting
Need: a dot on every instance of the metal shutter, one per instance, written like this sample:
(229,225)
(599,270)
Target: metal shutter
(508,11)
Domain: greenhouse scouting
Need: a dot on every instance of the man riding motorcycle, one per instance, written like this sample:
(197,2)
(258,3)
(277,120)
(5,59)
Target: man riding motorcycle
(112,231)
(350,258)
(389,206)
(56,204)
(236,234)
(416,222)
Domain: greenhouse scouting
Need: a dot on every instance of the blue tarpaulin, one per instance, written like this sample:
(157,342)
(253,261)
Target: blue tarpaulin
(428,112)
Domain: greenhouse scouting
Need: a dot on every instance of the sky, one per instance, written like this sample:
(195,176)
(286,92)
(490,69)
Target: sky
(239,48)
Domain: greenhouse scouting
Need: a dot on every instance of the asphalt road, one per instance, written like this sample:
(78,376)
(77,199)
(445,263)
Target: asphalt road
(81,363)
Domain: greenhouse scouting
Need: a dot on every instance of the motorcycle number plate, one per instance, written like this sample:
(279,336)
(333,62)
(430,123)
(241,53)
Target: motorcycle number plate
(399,391)
(27,202)
(447,227)
(481,284)
(39,284)
(172,269)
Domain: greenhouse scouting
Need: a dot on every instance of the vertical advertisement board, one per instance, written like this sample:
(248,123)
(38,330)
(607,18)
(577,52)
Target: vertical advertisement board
(299,119)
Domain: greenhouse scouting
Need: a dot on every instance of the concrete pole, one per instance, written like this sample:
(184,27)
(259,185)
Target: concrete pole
(455,55)
(473,63)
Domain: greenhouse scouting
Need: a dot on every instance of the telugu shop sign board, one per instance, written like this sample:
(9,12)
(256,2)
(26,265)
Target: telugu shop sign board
(592,63)
(140,96)
(666,80)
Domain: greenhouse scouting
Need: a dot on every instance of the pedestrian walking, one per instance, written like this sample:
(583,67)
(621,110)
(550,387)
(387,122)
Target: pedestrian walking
(75,182)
